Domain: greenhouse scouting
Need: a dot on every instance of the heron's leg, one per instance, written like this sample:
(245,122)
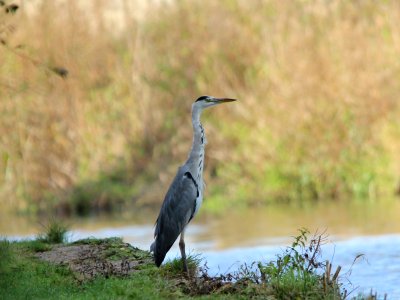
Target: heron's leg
(183,254)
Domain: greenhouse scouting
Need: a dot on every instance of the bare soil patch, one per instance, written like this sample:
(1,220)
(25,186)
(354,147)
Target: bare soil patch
(91,257)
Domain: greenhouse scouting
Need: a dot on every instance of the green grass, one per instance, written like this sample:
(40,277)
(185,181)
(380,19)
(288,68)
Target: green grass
(295,274)
(23,276)
(6,257)
(37,245)
(28,278)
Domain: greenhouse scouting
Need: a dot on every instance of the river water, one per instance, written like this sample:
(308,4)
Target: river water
(258,234)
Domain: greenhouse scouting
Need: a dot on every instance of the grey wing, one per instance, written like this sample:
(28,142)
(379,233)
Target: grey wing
(176,212)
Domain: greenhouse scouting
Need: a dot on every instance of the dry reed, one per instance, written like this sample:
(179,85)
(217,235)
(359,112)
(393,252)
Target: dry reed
(317,82)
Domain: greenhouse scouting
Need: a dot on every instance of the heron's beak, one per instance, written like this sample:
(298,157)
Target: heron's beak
(222,100)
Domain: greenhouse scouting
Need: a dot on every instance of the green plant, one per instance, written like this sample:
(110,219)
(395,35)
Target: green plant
(55,232)
(297,272)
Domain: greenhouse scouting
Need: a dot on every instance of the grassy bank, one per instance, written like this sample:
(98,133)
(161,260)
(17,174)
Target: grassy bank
(317,118)
(110,269)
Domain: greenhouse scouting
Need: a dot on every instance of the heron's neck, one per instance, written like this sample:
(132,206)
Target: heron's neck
(196,156)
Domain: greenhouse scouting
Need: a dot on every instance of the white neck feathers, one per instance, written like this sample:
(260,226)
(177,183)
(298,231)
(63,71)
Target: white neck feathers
(196,156)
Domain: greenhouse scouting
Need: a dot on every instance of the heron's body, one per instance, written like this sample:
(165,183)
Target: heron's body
(185,195)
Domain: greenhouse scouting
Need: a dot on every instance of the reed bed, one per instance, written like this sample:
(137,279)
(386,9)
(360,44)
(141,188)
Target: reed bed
(95,101)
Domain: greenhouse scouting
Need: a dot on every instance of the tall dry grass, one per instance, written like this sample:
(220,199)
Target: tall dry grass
(318,84)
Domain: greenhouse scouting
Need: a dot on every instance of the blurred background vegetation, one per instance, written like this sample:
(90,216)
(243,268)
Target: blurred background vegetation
(318,116)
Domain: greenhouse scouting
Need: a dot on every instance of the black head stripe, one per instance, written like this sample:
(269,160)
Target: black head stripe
(202,98)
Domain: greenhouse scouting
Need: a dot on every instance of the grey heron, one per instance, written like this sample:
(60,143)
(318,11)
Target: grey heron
(185,195)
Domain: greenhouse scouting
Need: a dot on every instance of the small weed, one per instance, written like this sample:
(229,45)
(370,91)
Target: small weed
(55,233)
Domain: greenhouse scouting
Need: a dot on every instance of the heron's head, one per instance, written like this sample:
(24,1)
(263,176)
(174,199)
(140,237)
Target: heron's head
(207,101)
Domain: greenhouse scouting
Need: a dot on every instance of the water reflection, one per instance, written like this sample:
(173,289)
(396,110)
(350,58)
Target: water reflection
(246,227)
